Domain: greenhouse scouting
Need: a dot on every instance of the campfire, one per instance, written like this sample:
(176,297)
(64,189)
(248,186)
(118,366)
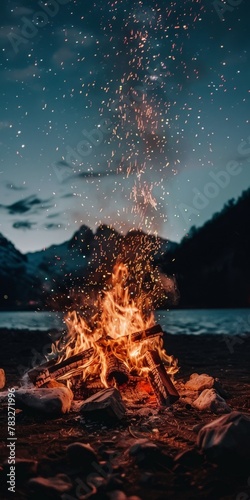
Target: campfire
(121,346)
(111,379)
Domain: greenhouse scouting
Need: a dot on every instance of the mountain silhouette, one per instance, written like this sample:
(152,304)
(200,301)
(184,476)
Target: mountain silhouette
(212,263)
(210,266)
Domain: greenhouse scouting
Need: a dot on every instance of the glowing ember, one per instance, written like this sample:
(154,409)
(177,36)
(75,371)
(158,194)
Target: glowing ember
(120,316)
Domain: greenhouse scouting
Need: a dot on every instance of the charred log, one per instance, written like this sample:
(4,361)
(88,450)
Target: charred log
(116,370)
(43,373)
(83,389)
(161,383)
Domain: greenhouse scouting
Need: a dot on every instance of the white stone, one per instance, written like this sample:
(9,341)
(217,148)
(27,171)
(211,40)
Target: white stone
(227,434)
(50,401)
(2,378)
(3,398)
(49,486)
(210,400)
(199,382)
(117,495)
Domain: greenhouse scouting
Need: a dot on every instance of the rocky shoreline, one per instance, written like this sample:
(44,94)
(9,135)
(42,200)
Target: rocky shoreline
(153,453)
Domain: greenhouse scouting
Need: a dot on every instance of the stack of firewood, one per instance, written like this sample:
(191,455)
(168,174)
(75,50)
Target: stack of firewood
(117,373)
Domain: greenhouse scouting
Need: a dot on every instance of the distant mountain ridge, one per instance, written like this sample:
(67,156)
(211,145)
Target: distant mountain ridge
(211,264)
(50,277)
(18,281)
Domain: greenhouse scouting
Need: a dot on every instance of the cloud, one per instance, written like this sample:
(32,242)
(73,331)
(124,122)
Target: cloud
(52,216)
(13,187)
(63,56)
(22,74)
(243,157)
(28,225)
(30,204)
(54,226)
(68,195)
(65,172)
(23,224)
(107,173)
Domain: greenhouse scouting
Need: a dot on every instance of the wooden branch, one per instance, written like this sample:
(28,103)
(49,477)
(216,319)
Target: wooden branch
(161,383)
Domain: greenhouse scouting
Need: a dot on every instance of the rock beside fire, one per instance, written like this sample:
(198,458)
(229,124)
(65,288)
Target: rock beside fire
(199,382)
(2,378)
(105,405)
(81,454)
(210,400)
(147,453)
(117,495)
(144,451)
(50,486)
(120,495)
(54,401)
(227,436)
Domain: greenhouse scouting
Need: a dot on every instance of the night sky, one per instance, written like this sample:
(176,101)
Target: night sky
(131,114)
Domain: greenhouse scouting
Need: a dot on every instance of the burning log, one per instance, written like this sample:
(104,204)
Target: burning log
(47,371)
(117,370)
(160,380)
(52,370)
(154,331)
(83,389)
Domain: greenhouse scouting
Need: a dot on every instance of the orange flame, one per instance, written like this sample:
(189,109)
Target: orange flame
(121,315)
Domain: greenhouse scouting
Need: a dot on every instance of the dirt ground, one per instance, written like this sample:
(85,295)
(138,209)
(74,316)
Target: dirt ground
(174,429)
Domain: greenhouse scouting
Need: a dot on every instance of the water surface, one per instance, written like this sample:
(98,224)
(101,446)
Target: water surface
(195,321)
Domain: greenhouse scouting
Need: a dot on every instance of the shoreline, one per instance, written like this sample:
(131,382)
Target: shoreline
(41,437)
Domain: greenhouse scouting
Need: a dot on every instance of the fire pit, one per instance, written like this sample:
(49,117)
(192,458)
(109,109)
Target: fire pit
(116,366)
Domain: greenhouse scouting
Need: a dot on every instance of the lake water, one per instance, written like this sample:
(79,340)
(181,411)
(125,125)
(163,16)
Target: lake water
(195,321)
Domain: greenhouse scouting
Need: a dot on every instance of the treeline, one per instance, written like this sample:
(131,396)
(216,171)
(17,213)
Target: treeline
(212,263)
